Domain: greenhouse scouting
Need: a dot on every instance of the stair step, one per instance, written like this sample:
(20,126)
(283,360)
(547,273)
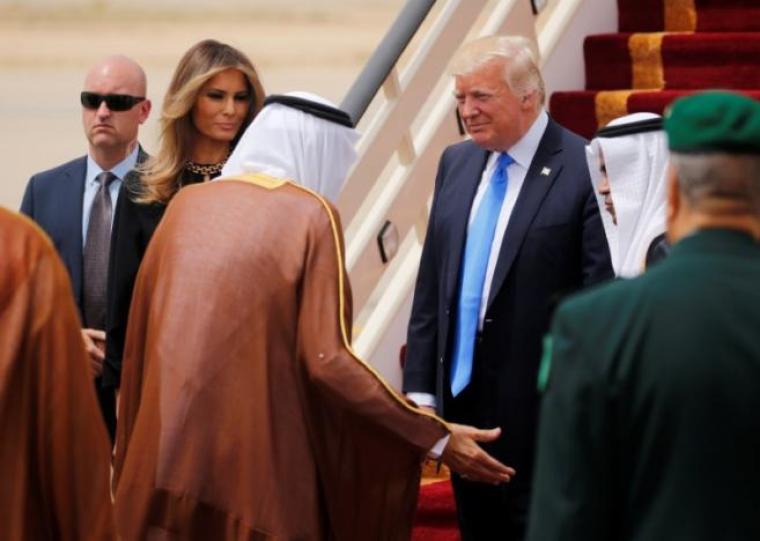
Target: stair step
(579,111)
(673,61)
(679,15)
(575,110)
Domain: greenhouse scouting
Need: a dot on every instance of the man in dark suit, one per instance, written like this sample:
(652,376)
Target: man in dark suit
(514,224)
(649,425)
(74,202)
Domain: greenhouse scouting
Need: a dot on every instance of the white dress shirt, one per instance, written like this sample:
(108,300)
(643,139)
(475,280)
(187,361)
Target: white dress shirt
(522,153)
(91,186)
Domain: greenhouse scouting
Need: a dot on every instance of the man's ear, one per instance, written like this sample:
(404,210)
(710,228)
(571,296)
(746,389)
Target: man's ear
(674,206)
(528,101)
(145,110)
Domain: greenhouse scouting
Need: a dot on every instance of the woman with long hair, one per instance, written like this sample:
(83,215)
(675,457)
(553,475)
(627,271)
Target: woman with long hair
(213,96)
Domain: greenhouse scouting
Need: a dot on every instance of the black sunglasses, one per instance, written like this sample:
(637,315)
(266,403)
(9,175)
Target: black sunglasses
(115,102)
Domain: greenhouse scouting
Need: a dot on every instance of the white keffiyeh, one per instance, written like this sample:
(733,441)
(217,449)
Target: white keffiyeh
(284,142)
(636,166)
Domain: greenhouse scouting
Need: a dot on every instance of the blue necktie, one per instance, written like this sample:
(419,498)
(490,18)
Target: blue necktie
(477,250)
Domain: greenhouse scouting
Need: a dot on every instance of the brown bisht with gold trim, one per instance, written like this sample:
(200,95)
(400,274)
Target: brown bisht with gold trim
(54,451)
(244,414)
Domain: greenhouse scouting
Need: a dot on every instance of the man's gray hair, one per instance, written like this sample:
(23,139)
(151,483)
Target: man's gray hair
(717,175)
(521,69)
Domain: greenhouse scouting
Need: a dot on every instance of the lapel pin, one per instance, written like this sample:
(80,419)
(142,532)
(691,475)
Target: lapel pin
(546,171)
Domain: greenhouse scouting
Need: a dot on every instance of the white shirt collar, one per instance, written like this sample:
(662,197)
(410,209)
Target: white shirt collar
(524,150)
(120,169)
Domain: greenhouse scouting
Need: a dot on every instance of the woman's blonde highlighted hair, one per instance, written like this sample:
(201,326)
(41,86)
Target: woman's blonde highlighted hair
(203,61)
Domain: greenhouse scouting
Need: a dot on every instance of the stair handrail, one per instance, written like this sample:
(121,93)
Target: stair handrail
(385,58)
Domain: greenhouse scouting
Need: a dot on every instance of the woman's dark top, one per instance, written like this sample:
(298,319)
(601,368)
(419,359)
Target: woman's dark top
(133,227)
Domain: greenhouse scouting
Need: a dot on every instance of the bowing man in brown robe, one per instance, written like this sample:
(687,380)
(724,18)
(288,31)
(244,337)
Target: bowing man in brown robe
(244,414)
(54,451)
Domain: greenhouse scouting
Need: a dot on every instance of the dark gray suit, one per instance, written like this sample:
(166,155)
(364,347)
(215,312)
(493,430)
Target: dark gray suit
(554,243)
(54,199)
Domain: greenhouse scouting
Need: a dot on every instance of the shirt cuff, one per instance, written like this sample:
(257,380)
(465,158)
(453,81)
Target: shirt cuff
(422,399)
(439,446)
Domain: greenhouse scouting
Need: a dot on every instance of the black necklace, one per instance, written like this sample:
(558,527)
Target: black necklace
(208,171)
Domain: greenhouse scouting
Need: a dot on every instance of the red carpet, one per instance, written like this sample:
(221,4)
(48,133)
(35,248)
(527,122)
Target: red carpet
(707,15)
(436,514)
(690,61)
(577,110)
(711,44)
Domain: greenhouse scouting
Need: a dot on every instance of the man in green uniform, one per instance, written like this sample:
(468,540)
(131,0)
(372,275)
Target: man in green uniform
(650,423)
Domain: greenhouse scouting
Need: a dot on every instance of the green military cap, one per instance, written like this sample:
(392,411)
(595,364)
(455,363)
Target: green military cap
(714,121)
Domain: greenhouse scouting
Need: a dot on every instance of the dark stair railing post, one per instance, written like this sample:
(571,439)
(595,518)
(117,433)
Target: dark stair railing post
(386,55)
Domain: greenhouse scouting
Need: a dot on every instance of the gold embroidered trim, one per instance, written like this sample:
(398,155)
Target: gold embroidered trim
(646,60)
(611,104)
(259,179)
(680,15)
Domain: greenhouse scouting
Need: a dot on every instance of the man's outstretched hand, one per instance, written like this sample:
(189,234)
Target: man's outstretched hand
(464,456)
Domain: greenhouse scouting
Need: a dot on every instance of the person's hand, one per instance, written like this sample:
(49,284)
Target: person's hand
(463,455)
(95,345)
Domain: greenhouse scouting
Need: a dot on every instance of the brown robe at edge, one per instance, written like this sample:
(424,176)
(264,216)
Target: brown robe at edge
(54,451)
(243,413)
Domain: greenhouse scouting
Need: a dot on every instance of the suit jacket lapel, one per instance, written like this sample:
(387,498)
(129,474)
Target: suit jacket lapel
(72,196)
(541,175)
(132,178)
(466,186)
(141,157)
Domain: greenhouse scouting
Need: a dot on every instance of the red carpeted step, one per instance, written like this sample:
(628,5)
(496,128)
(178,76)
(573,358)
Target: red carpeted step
(577,110)
(641,15)
(436,518)
(728,16)
(700,60)
(656,102)
(717,45)
(706,15)
(608,61)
